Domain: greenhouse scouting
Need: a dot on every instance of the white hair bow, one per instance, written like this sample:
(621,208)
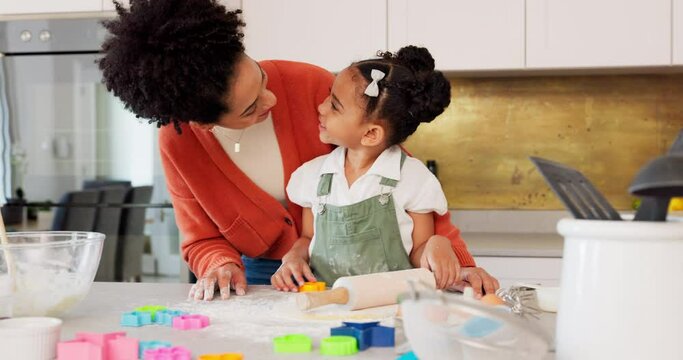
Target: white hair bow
(373,88)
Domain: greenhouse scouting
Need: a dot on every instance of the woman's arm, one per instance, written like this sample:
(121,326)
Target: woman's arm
(203,247)
(444,227)
(215,262)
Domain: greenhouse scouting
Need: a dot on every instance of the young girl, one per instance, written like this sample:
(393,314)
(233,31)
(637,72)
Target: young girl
(367,205)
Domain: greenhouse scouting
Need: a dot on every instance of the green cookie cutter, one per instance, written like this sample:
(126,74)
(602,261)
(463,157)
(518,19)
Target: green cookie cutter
(292,343)
(339,345)
(152,309)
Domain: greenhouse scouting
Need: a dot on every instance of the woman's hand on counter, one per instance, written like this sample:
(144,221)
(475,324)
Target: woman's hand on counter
(222,278)
(480,281)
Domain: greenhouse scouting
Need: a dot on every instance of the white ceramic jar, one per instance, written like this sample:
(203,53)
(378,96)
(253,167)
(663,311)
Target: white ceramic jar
(29,338)
(622,290)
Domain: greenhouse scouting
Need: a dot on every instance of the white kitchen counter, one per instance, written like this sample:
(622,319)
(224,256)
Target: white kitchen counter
(511,233)
(512,244)
(242,324)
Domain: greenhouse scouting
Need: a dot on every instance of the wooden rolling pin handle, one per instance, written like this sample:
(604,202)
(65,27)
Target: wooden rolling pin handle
(312,300)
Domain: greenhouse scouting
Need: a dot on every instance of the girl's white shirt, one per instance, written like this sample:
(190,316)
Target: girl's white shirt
(418,190)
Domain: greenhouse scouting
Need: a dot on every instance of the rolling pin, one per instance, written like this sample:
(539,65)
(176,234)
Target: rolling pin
(365,291)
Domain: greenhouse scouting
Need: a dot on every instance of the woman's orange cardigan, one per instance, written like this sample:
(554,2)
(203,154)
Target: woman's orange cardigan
(221,213)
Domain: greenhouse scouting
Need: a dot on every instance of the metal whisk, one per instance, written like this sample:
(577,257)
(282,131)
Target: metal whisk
(521,299)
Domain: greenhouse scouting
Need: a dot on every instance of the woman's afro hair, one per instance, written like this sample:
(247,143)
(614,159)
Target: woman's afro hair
(172,60)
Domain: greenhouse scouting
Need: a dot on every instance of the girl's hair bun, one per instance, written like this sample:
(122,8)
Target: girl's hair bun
(417,59)
(431,96)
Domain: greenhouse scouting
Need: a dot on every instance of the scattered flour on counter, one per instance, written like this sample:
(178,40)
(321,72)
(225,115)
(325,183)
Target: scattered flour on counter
(264,314)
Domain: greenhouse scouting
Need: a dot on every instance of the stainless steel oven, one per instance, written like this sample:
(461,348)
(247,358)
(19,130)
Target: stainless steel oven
(53,106)
(60,127)
(50,114)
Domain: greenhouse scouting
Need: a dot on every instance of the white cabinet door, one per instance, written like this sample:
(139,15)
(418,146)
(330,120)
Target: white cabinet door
(328,33)
(11,7)
(604,33)
(678,32)
(461,34)
(108,5)
(231,4)
(510,270)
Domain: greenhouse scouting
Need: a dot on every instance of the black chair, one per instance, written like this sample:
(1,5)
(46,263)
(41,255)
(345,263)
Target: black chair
(108,222)
(131,235)
(70,218)
(105,183)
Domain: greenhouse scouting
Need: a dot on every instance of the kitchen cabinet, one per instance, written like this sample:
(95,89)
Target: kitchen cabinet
(328,33)
(461,34)
(231,4)
(12,7)
(606,33)
(509,270)
(108,5)
(678,32)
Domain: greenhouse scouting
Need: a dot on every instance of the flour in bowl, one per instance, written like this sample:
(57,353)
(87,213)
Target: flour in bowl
(44,291)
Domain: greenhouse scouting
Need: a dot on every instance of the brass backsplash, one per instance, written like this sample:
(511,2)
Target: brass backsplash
(607,127)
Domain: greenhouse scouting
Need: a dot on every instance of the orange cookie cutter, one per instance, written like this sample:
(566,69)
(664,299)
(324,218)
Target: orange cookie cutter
(312,286)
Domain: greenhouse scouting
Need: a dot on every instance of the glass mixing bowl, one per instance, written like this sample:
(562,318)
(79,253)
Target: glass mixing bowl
(448,326)
(46,273)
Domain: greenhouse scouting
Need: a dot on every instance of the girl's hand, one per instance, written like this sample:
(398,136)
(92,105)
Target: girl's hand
(439,257)
(295,266)
(222,278)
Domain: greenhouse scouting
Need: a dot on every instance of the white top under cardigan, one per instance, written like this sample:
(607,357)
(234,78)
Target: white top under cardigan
(418,190)
(259,157)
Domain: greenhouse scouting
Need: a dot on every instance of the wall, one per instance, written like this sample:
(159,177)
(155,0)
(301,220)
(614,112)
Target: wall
(605,126)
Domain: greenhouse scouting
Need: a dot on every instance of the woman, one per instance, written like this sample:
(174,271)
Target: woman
(240,128)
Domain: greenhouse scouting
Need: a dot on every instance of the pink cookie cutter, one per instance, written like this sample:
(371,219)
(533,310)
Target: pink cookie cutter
(190,322)
(95,346)
(172,353)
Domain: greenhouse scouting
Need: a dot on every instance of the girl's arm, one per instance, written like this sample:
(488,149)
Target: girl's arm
(433,252)
(423,229)
(444,227)
(295,261)
(300,247)
(470,275)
